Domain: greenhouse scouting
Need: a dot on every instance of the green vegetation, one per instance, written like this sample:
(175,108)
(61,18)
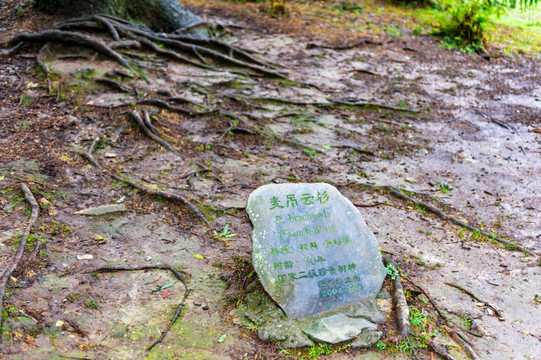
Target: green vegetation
(225,235)
(92,304)
(317,350)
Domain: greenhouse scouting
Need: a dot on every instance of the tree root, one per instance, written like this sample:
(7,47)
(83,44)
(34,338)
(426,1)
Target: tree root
(399,300)
(188,44)
(166,195)
(440,350)
(359,150)
(9,269)
(476,297)
(402,316)
(148,132)
(44,66)
(444,216)
(458,338)
(331,103)
(69,37)
(178,275)
(115,85)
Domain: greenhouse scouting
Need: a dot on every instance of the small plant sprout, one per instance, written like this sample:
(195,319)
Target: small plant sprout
(225,235)
(444,187)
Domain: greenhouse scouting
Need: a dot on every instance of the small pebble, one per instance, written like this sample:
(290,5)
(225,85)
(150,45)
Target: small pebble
(197,303)
(148,258)
(205,307)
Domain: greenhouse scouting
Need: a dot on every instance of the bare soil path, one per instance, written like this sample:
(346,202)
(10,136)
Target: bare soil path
(472,148)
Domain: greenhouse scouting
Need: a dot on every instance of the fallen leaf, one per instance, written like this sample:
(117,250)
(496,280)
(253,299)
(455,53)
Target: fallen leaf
(537,131)
(45,202)
(199,256)
(165,294)
(221,339)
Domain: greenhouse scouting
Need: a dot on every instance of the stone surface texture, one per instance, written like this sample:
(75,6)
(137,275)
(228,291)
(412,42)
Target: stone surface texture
(338,328)
(312,249)
(367,339)
(102,210)
(330,327)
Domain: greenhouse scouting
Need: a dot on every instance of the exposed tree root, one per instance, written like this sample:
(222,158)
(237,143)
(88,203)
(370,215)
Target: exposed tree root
(178,275)
(440,350)
(402,316)
(444,216)
(69,37)
(148,132)
(358,149)
(166,195)
(9,269)
(399,300)
(115,85)
(44,66)
(332,103)
(476,297)
(456,336)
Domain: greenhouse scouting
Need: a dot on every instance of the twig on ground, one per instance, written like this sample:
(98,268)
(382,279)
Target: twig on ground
(11,266)
(371,205)
(476,297)
(359,150)
(178,275)
(344,47)
(76,327)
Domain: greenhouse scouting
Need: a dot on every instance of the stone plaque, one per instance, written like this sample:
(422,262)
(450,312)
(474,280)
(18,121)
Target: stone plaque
(312,249)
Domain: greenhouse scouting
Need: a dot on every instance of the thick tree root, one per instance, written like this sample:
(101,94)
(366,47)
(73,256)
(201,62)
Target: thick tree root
(163,194)
(197,47)
(399,300)
(178,275)
(402,316)
(9,269)
(398,193)
(69,37)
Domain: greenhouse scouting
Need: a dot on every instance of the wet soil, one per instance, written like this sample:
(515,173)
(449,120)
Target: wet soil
(470,149)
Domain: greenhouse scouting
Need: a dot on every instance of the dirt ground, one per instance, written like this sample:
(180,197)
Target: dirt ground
(471,147)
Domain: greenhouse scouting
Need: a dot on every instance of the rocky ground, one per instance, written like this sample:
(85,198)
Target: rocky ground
(471,147)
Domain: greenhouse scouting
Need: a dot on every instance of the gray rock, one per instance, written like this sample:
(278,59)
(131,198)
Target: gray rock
(311,248)
(260,309)
(337,328)
(367,339)
(102,210)
(286,333)
(368,310)
(275,326)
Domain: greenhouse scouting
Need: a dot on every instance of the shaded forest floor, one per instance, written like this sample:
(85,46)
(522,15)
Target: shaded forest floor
(472,147)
